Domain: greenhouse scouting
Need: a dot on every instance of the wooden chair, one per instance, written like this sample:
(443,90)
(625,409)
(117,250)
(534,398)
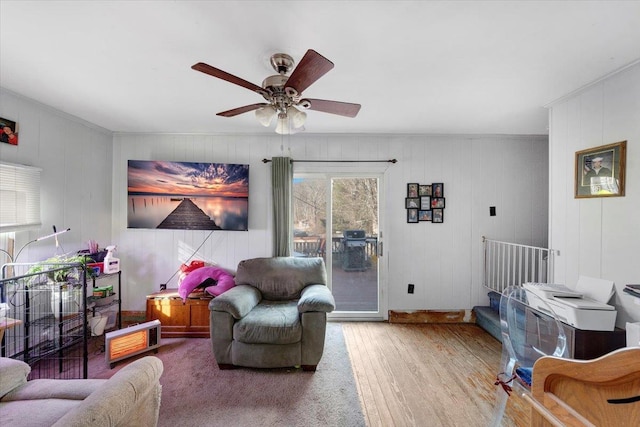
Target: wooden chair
(598,392)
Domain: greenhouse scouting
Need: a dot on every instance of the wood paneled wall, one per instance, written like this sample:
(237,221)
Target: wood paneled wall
(442,260)
(598,237)
(76,161)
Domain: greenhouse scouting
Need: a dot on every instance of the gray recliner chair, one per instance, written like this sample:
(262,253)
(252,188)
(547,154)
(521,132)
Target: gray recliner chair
(274,317)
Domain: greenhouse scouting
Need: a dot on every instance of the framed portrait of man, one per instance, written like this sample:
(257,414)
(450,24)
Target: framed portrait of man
(600,171)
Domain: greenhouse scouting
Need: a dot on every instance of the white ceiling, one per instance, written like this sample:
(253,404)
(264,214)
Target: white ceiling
(415,66)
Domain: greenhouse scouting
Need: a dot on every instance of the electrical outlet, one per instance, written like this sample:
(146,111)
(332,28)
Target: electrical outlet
(163,286)
(492,211)
(410,288)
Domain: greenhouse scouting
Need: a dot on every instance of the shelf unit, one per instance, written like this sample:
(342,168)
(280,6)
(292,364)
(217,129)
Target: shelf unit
(100,306)
(51,335)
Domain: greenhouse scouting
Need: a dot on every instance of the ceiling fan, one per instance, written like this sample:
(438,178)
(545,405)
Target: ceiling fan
(284,93)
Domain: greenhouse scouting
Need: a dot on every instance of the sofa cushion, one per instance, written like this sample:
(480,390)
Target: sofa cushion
(13,373)
(35,413)
(47,388)
(281,278)
(270,322)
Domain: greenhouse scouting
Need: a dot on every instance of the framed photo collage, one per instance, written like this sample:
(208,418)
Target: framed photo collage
(425,202)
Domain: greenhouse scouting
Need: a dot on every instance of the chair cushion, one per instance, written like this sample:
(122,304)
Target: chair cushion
(281,278)
(525,374)
(270,322)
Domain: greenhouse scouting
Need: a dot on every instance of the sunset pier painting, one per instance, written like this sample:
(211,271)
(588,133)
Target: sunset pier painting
(188,216)
(187,195)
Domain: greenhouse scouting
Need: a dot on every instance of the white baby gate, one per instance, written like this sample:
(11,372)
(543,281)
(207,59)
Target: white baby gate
(507,264)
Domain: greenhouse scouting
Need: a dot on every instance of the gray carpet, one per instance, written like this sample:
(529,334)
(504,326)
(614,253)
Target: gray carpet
(196,393)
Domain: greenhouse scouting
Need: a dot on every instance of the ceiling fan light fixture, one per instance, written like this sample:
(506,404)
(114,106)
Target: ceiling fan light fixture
(291,122)
(298,118)
(265,115)
(282,126)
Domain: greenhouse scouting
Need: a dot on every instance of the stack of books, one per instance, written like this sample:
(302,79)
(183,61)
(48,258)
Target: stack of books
(632,290)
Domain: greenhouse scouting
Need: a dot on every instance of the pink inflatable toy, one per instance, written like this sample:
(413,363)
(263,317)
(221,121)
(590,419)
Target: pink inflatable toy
(198,276)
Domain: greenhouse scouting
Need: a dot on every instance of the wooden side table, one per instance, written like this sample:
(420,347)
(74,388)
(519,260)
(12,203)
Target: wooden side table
(189,319)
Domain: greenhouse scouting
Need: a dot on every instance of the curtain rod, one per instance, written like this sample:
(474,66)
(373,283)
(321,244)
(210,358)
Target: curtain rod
(338,161)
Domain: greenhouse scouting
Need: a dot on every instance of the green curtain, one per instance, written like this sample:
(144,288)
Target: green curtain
(281,183)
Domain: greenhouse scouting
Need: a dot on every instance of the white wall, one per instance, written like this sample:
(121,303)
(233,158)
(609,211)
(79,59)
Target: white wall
(75,157)
(84,187)
(597,237)
(442,260)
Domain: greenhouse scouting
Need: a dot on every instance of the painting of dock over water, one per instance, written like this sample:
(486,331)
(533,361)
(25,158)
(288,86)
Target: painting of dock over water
(187,195)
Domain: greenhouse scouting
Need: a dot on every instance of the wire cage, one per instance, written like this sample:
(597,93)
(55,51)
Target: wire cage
(46,318)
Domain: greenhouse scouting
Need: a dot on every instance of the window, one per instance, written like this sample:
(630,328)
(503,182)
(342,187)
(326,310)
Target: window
(19,197)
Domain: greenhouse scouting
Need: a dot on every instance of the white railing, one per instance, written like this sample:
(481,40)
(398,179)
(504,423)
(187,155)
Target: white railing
(507,264)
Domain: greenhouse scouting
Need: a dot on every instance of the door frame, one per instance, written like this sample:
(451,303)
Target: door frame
(362,172)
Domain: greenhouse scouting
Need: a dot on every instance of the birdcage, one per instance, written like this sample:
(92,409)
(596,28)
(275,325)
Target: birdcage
(45,323)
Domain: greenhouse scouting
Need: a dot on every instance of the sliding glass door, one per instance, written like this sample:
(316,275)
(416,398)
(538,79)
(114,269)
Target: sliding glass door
(337,217)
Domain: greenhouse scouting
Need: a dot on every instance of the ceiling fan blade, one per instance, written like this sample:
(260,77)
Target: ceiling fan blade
(240,110)
(334,107)
(215,72)
(312,66)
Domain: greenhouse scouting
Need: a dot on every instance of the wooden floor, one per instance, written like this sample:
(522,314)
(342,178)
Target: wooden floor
(427,374)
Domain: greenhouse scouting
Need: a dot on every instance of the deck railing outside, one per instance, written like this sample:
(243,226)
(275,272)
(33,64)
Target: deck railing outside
(510,264)
(312,245)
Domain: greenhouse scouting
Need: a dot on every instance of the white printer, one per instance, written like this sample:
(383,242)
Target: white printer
(583,308)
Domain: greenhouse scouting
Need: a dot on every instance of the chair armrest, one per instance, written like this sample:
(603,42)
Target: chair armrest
(316,298)
(130,397)
(237,301)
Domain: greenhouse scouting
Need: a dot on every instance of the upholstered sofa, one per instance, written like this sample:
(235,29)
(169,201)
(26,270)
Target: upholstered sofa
(274,317)
(131,397)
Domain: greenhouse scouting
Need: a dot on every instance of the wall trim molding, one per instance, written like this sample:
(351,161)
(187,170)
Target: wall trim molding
(599,80)
(300,138)
(57,112)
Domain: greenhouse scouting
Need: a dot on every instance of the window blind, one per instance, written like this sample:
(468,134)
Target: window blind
(19,197)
